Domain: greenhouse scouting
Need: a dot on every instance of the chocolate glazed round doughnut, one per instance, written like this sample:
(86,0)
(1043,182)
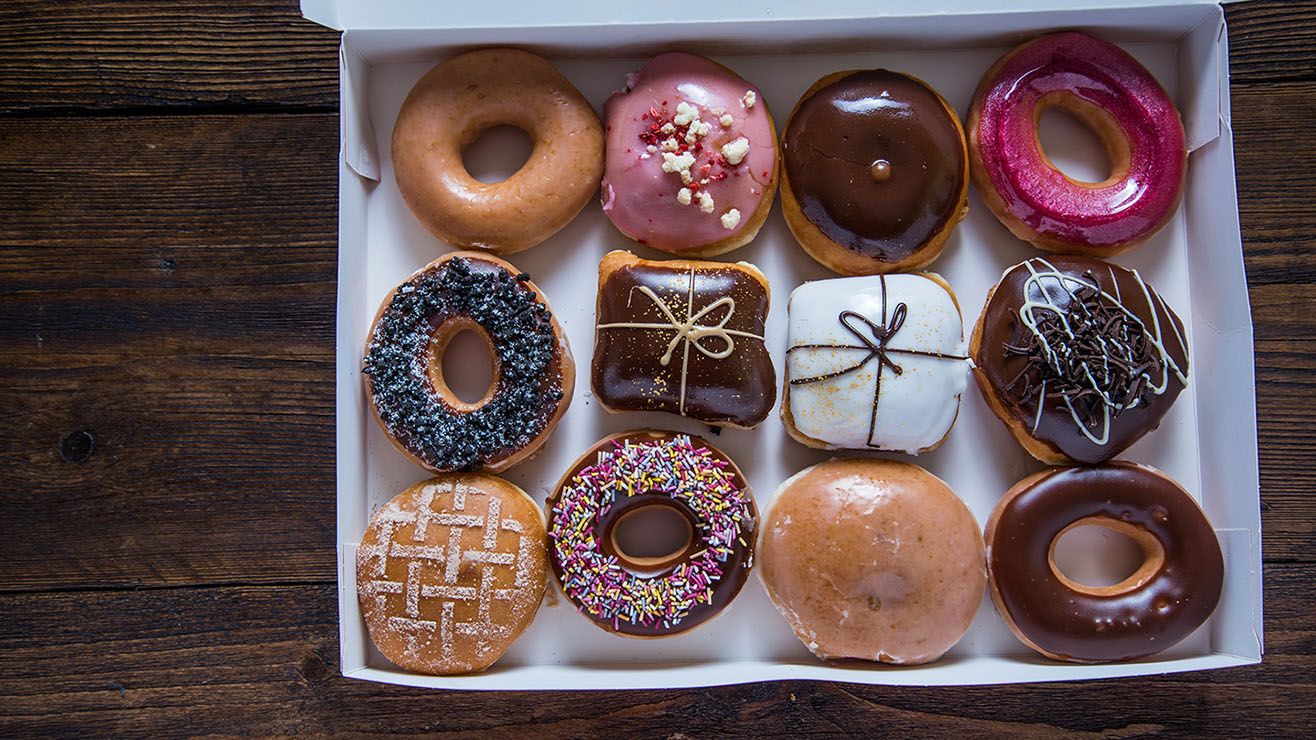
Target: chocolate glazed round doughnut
(875,172)
(660,595)
(1114,96)
(533,374)
(447,111)
(1171,594)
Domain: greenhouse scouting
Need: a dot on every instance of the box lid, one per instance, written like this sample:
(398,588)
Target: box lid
(394,14)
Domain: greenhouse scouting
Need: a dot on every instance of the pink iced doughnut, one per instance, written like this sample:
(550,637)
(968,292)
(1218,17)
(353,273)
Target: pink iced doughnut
(1115,96)
(691,164)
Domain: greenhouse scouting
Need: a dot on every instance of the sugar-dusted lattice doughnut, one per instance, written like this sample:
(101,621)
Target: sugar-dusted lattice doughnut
(451,571)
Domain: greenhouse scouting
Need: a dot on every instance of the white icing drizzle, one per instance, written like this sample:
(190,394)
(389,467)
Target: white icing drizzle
(689,330)
(1037,299)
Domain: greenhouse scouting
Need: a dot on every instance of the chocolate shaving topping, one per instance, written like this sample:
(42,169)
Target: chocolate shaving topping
(1088,352)
(521,330)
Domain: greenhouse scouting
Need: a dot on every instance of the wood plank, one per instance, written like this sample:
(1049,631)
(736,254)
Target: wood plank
(123,192)
(167,286)
(263,660)
(1275,179)
(100,55)
(1271,40)
(104,55)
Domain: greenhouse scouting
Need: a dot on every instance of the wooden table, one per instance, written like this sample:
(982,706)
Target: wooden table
(167,266)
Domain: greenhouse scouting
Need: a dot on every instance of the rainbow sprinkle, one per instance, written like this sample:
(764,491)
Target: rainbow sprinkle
(596,581)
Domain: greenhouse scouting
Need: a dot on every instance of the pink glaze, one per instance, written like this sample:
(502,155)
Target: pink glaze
(642,199)
(1113,213)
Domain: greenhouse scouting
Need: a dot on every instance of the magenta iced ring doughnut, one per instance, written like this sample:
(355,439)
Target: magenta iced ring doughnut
(1119,100)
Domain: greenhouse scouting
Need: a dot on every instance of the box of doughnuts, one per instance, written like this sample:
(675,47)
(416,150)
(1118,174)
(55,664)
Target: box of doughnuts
(758,341)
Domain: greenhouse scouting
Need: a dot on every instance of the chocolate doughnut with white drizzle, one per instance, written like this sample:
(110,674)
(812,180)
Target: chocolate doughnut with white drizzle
(1082,357)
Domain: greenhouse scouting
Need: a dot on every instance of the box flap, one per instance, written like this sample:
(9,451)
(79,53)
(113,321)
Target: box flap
(359,14)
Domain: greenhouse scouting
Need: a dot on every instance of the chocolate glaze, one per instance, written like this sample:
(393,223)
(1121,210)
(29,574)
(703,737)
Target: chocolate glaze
(627,371)
(998,366)
(832,148)
(1173,602)
(737,567)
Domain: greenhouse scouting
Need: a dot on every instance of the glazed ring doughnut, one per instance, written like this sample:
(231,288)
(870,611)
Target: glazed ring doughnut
(644,594)
(1171,594)
(533,371)
(1114,96)
(447,111)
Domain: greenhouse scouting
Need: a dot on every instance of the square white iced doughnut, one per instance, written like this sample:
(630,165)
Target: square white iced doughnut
(874,363)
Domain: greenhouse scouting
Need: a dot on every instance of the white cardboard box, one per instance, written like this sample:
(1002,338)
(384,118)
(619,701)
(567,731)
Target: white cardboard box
(1207,441)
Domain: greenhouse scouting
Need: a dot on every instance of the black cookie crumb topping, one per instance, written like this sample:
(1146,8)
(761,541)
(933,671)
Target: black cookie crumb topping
(529,383)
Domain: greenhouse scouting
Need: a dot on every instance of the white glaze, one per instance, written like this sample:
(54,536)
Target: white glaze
(915,407)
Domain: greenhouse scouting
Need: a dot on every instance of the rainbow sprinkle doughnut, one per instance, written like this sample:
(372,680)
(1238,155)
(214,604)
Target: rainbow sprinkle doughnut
(646,595)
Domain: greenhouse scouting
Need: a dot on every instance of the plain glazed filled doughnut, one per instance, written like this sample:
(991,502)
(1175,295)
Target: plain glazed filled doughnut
(1172,592)
(460,99)
(872,559)
(874,363)
(533,373)
(691,157)
(451,571)
(1119,100)
(685,337)
(875,172)
(651,595)
(1079,358)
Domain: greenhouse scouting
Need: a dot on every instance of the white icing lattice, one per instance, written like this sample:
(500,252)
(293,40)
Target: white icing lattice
(432,589)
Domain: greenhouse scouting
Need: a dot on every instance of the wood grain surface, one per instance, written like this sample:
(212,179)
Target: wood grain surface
(167,278)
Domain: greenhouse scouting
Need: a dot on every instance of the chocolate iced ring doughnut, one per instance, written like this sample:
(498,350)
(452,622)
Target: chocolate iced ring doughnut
(649,594)
(1079,358)
(875,172)
(463,97)
(533,374)
(1171,594)
(1119,100)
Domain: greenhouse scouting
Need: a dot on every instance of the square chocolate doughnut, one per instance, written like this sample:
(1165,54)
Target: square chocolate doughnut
(685,337)
(874,363)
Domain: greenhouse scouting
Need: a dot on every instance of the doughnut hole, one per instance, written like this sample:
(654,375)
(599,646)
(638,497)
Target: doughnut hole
(652,538)
(462,366)
(1082,141)
(1103,557)
(497,153)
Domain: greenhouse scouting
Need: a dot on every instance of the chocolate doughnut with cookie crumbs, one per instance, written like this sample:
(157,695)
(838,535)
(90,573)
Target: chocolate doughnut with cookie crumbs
(684,337)
(533,373)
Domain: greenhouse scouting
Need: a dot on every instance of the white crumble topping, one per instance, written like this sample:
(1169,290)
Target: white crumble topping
(698,129)
(683,196)
(685,113)
(670,145)
(705,201)
(726,120)
(668,128)
(731,219)
(749,99)
(651,149)
(735,151)
(677,162)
